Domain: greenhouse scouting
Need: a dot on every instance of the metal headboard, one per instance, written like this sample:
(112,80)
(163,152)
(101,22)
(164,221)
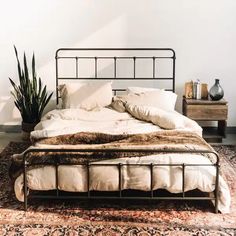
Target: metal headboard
(156,55)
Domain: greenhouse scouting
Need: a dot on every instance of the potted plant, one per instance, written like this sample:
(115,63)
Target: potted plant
(30,97)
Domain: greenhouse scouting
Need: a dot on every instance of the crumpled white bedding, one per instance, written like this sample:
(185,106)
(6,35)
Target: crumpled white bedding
(69,121)
(74,178)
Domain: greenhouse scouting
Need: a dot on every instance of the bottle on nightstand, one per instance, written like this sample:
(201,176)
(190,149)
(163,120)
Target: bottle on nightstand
(197,89)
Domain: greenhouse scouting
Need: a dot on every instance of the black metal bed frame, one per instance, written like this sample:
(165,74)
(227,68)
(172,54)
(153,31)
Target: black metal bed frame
(88,165)
(153,56)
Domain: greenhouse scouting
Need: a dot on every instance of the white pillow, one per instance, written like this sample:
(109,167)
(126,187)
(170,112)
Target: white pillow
(161,99)
(65,90)
(88,96)
(140,90)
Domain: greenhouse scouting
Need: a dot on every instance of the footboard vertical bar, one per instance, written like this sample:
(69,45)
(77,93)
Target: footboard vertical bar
(57,190)
(217,188)
(183,180)
(88,179)
(151,180)
(56,164)
(120,183)
(25,182)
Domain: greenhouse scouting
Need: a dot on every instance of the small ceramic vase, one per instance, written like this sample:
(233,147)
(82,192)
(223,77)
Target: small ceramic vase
(216,92)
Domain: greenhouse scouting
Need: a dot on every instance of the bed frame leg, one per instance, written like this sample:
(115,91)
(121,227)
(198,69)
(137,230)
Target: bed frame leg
(216,201)
(216,192)
(216,208)
(25,196)
(25,205)
(25,183)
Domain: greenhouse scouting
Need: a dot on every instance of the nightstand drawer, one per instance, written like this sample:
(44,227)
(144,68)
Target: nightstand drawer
(207,112)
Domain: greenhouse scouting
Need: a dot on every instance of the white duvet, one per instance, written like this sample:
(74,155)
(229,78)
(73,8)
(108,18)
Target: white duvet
(105,120)
(74,178)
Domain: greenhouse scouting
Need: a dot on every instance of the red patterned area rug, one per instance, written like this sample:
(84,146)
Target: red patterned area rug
(50,217)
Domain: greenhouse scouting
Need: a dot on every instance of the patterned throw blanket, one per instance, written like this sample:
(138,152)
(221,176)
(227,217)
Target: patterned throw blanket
(161,141)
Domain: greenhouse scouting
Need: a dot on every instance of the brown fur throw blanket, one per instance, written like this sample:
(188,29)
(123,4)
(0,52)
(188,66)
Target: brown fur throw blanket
(161,141)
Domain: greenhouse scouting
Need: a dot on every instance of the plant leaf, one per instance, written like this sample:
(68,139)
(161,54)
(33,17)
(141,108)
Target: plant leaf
(30,97)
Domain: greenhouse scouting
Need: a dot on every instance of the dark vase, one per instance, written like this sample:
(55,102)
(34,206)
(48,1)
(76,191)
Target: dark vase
(216,92)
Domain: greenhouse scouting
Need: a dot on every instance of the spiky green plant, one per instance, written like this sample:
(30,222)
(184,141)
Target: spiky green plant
(30,96)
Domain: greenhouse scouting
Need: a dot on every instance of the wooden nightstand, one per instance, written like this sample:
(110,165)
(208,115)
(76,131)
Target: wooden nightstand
(208,110)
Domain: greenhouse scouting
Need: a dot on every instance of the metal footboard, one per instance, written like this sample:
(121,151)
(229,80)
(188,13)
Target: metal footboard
(88,165)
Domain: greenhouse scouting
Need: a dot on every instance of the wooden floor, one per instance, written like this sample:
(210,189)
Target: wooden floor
(5,138)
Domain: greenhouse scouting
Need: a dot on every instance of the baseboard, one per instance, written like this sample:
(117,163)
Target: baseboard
(10,128)
(229,130)
(17,129)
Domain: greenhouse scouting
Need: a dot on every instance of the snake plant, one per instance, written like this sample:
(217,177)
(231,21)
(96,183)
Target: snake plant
(30,95)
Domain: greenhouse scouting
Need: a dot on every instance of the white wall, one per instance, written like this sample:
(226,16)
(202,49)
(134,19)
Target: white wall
(202,32)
